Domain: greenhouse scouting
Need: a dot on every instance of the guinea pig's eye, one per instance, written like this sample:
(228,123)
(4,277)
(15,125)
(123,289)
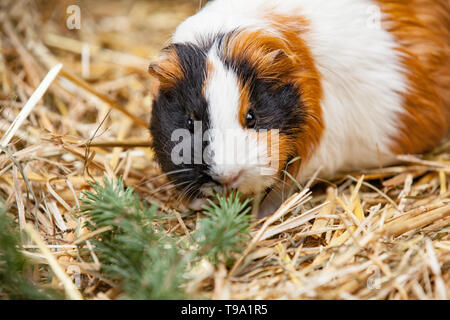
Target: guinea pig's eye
(190,124)
(250,119)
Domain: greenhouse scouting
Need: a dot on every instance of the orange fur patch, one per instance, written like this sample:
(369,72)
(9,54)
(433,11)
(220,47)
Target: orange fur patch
(279,147)
(422,32)
(167,71)
(209,73)
(284,58)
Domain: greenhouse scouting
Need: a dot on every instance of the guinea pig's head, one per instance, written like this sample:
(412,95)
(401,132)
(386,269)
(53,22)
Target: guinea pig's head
(231,113)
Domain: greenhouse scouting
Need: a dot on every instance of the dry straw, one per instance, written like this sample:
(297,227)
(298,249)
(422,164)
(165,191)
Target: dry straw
(378,234)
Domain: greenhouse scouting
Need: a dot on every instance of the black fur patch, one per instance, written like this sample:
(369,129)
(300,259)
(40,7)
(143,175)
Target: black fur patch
(171,110)
(276,104)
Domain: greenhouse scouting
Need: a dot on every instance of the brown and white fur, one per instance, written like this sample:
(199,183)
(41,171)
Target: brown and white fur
(372,80)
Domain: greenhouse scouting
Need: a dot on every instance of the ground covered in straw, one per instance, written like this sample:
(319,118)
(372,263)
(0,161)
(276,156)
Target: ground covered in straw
(379,234)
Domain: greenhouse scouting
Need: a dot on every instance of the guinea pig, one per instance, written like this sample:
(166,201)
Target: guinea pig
(251,86)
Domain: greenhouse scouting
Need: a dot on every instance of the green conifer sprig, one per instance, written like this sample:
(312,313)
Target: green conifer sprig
(225,229)
(135,252)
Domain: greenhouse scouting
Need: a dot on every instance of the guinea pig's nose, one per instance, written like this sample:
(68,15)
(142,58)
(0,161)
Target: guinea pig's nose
(230,179)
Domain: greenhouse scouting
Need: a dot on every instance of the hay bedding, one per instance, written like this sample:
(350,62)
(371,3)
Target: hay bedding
(379,234)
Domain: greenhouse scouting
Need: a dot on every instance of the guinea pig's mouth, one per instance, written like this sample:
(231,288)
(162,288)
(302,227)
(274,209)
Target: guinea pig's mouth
(251,181)
(208,189)
(247,189)
(206,194)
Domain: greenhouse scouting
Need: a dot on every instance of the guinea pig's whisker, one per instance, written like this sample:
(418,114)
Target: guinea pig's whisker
(163,175)
(173,186)
(166,174)
(280,190)
(163,186)
(193,192)
(186,190)
(168,186)
(280,180)
(194,195)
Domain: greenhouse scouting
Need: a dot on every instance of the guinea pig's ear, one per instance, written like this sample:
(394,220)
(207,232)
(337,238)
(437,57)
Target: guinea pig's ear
(269,54)
(153,70)
(167,70)
(276,56)
(274,64)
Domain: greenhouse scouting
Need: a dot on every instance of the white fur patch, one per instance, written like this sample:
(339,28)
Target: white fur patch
(235,150)
(360,72)
(362,81)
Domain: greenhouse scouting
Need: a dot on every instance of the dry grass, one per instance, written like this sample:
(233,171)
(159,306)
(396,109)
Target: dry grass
(381,234)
